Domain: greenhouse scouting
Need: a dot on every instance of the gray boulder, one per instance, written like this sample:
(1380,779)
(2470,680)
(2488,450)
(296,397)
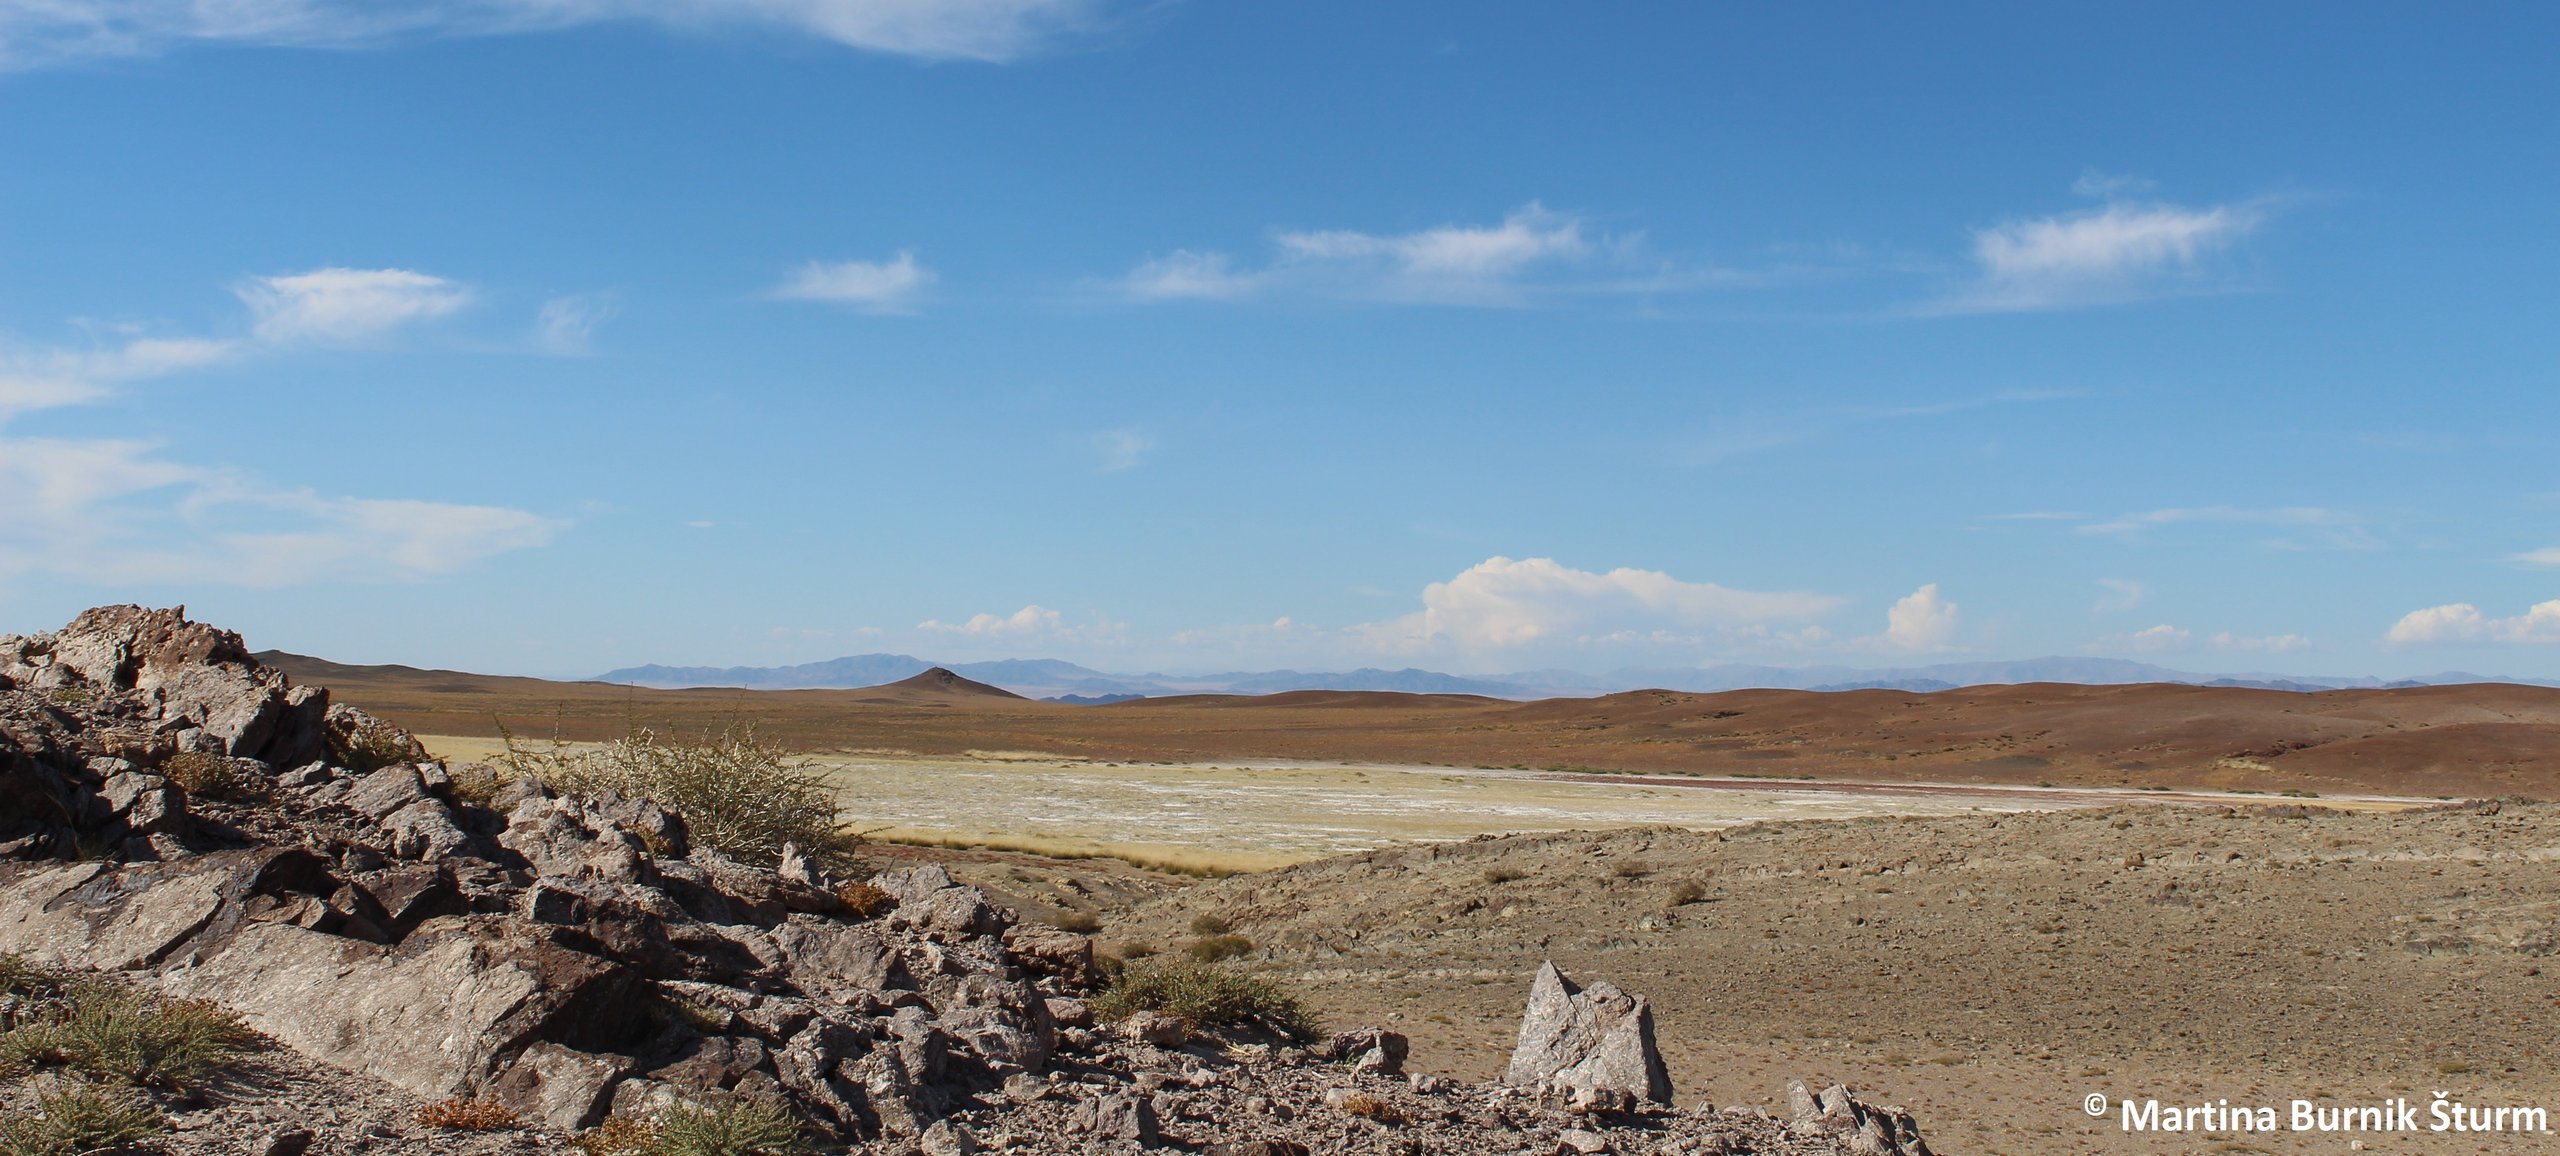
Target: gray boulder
(1578,1040)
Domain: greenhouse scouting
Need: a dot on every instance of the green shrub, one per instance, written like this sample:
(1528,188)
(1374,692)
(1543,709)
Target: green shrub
(1211,949)
(739,795)
(116,1033)
(77,1119)
(742,1127)
(1208,995)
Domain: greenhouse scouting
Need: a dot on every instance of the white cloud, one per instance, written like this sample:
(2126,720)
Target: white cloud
(1534,251)
(2462,623)
(1501,603)
(2122,251)
(567,325)
(50,378)
(870,286)
(1031,623)
(1121,449)
(2548,556)
(2260,644)
(116,510)
(1921,620)
(2161,639)
(34,33)
(346,306)
(2118,595)
(2272,516)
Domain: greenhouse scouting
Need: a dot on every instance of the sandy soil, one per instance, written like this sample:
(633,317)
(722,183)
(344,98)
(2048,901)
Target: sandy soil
(1987,971)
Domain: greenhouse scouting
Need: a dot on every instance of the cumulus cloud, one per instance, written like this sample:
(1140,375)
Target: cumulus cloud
(346,306)
(57,31)
(2124,250)
(1031,623)
(890,286)
(1501,603)
(1921,620)
(2461,623)
(1532,251)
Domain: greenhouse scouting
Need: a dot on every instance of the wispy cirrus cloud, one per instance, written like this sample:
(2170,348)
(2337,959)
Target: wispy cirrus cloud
(338,306)
(1534,254)
(2117,595)
(2547,558)
(121,511)
(2336,528)
(2123,250)
(887,287)
(37,33)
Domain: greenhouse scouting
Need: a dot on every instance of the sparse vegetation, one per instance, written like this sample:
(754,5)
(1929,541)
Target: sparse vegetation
(69,696)
(1213,948)
(1498,876)
(1686,892)
(460,1115)
(1631,869)
(1370,1107)
(372,746)
(110,1032)
(864,900)
(742,1127)
(1206,923)
(617,1136)
(739,795)
(1207,995)
(1080,922)
(207,776)
(74,1119)
(475,784)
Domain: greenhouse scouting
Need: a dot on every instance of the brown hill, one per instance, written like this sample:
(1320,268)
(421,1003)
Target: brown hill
(2483,739)
(935,687)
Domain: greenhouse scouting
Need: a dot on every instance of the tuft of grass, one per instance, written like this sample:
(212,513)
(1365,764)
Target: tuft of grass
(461,1115)
(111,1032)
(739,795)
(1631,869)
(1208,924)
(1080,922)
(618,1136)
(474,784)
(19,977)
(207,776)
(865,900)
(743,1127)
(1686,892)
(78,1119)
(2299,793)
(1501,875)
(74,695)
(1370,1107)
(1213,948)
(373,745)
(1207,995)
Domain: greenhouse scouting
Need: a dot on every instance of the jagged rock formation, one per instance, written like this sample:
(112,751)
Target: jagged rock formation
(1598,1040)
(173,811)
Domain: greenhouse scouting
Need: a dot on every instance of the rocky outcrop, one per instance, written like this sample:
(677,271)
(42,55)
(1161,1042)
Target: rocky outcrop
(1595,1040)
(171,811)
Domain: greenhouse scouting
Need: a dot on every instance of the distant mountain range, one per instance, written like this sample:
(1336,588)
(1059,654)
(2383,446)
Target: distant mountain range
(1055,679)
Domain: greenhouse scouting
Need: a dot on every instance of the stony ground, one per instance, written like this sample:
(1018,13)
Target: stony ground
(1989,971)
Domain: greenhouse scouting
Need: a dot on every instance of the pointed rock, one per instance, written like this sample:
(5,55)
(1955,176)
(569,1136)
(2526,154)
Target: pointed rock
(1581,1040)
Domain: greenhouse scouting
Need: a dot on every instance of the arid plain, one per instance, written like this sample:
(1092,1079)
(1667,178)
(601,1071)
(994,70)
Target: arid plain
(1986,904)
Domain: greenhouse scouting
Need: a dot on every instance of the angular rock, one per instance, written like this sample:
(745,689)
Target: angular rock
(561,1087)
(1601,1038)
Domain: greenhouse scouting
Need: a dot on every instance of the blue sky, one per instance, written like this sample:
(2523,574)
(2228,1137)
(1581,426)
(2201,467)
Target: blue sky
(548,336)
